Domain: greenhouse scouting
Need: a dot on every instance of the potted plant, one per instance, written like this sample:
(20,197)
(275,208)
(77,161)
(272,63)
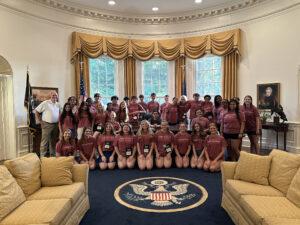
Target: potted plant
(264,115)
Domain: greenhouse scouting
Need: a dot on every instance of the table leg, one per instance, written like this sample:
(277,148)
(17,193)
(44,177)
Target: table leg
(277,138)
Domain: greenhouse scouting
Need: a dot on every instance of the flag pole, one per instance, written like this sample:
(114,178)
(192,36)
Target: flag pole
(28,111)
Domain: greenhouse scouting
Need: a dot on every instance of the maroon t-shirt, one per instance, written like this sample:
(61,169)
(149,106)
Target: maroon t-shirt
(101,118)
(198,142)
(193,106)
(153,106)
(163,141)
(124,143)
(121,116)
(115,107)
(144,105)
(163,110)
(68,123)
(65,148)
(203,121)
(182,141)
(214,145)
(207,106)
(86,146)
(134,107)
(231,123)
(217,114)
(145,141)
(106,142)
(83,121)
(116,126)
(172,113)
(251,113)
(182,109)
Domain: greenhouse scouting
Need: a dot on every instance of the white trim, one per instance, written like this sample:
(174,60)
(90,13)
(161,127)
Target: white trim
(120,80)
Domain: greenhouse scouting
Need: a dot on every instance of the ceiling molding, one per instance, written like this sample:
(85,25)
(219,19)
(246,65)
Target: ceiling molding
(75,9)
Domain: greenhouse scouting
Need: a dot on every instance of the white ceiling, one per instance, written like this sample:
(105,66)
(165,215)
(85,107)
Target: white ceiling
(144,7)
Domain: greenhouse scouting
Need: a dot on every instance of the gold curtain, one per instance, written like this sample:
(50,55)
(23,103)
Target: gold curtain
(130,77)
(86,75)
(230,68)
(180,76)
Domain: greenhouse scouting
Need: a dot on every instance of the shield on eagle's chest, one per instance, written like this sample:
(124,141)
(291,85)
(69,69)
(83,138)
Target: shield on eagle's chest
(160,196)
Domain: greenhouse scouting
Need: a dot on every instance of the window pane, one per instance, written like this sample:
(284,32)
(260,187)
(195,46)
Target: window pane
(102,77)
(209,75)
(155,78)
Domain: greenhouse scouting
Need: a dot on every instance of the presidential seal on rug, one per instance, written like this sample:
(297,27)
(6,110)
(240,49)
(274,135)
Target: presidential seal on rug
(160,194)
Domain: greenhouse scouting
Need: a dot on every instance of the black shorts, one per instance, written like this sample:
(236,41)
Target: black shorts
(231,136)
(250,133)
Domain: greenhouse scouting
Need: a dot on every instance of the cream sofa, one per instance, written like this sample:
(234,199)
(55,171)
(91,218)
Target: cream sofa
(262,189)
(47,191)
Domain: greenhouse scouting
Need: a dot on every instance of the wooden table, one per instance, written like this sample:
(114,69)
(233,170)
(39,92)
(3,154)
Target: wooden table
(280,127)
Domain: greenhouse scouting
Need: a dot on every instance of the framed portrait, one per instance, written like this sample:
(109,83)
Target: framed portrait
(40,94)
(268,95)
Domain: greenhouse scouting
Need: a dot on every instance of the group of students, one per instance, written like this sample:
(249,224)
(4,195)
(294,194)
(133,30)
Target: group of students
(132,131)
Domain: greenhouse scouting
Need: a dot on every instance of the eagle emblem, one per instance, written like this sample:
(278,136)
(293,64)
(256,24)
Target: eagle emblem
(160,193)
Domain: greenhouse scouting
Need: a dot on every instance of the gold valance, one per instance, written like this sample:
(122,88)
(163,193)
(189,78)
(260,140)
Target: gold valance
(170,49)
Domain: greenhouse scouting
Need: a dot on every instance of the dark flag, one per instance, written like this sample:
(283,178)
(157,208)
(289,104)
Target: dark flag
(82,86)
(28,105)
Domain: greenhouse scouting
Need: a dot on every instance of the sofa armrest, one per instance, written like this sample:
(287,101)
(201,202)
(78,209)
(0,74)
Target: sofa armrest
(81,174)
(228,170)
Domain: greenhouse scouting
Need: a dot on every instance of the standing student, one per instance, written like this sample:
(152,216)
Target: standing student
(217,110)
(134,110)
(194,105)
(114,103)
(252,123)
(182,147)
(116,125)
(153,105)
(172,112)
(97,100)
(87,146)
(142,102)
(207,105)
(125,147)
(198,139)
(145,146)
(92,107)
(214,150)
(163,108)
(164,140)
(106,148)
(66,146)
(73,103)
(67,120)
(109,109)
(84,118)
(232,129)
(122,115)
(182,109)
(203,121)
(100,118)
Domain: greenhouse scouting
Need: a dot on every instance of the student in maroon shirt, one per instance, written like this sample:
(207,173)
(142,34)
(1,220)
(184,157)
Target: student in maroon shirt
(145,145)
(207,104)
(106,148)
(142,103)
(153,105)
(232,128)
(163,108)
(66,146)
(100,118)
(182,109)
(87,146)
(194,105)
(134,110)
(122,115)
(114,103)
(125,147)
(84,117)
(164,139)
(198,139)
(155,121)
(217,110)
(67,120)
(116,125)
(73,103)
(214,150)
(172,112)
(182,147)
(252,123)
(203,121)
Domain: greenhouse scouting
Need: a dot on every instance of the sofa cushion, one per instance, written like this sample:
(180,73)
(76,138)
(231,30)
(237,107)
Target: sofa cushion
(27,171)
(280,221)
(260,207)
(39,212)
(293,193)
(56,171)
(283,168)
(11,195)
(253,168)
(72,191)
(237,188)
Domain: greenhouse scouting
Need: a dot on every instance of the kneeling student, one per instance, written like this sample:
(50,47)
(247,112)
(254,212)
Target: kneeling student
(106,148)
(66,146)
(182,147)
(125,147)
(164,139)
(145,146)
(87,146)
(214,150)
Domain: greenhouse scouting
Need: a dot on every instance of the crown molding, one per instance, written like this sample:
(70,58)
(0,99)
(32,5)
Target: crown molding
(83,11)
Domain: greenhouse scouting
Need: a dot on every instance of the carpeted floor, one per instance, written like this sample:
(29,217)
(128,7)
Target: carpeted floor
(106,210)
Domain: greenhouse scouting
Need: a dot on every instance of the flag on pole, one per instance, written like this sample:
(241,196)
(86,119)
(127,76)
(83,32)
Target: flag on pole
(82,85)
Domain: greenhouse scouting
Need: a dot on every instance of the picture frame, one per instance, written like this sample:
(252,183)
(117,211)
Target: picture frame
(40,94)
(268,96)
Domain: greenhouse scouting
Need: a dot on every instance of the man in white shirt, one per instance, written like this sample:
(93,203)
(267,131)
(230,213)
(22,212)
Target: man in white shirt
(50,110)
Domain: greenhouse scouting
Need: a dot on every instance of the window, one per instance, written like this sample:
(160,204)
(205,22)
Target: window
(208,75)
(103,74)
(155,78)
